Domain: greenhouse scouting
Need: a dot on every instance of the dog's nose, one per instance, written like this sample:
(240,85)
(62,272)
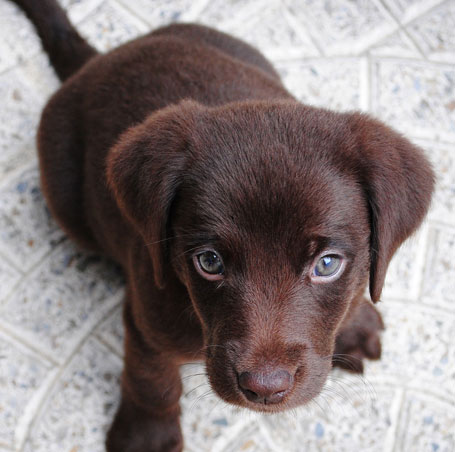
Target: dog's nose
(265,387)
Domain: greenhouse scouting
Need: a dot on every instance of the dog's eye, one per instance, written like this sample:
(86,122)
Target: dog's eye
(209,264)
(327,265)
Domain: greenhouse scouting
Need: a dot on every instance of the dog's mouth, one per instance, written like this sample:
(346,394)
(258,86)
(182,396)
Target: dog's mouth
(269,387)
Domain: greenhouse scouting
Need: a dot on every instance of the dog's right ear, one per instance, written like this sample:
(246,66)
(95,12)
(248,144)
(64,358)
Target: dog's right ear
(144,171)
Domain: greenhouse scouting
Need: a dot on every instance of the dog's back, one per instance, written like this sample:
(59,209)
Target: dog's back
(106,94)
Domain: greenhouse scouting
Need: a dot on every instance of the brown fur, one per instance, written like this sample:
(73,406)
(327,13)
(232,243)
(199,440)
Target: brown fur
(184,140)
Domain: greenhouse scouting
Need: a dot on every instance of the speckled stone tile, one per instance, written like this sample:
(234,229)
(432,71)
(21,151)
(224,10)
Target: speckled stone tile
(341,26)
(406,10)
(435,33)
(417,346)
(205,417)
(334,83)
(405,270)
(396,45)
(19,40)
(417,98)
(59,300)
(27,231)
(269,28)
(21,374)
(61,395)
(361,422)
(163,12)
(9,276)
(439,275)
(227,13)
(250,439)
(78,10)
(41,79)
(111,330)
(110,25)
(19,117)
(81,404)
(442,156)
(427,424)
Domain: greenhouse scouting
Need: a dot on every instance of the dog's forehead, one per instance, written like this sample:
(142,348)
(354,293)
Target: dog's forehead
(272,191)
(262,174)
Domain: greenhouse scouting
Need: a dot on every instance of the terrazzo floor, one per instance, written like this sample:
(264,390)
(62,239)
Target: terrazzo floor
(60,326)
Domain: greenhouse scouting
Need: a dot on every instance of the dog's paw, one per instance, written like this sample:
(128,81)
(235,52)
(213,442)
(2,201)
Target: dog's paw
(359,338)
(135,431)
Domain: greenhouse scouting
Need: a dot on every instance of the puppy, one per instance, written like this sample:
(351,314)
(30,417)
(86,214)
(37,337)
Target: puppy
(248,225)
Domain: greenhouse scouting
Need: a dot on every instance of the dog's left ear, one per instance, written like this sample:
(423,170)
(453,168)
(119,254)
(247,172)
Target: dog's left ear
(145,169)
(398,181)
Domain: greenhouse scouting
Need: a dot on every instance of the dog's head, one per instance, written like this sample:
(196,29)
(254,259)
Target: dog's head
(274,216)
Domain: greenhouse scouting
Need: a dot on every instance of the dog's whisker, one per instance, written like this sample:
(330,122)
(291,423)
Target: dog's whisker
(184,253)
(368,388)
(195,389)
(338,382)
(187,377)
(200,398)
(346,356)
(179,236)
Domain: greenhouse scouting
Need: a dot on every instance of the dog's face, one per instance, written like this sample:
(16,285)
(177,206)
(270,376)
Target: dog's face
(273,216)
(267,246)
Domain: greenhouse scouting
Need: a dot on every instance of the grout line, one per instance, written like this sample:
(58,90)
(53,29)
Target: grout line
(372,88)
(4,256)
(415,43)
(133,12)
(32,407)
(435,309)
(364,84)
(84,16)
(393,59)
(292,21)
(403,25)
(396,410)
(32,268)
(25,342)
(402,28)
(302,32)
(109,346)
(429,232)
(47,392)
(424,11)
(5,336)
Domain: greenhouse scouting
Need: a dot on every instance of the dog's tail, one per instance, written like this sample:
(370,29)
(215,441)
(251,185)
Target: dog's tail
(67,50)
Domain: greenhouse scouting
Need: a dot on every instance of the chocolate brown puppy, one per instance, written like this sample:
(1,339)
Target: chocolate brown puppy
(248,225)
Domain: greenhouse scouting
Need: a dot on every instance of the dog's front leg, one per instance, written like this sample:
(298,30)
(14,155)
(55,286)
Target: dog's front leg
(148,417)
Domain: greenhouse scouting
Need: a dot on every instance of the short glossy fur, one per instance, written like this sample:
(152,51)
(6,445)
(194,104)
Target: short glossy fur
(186,140)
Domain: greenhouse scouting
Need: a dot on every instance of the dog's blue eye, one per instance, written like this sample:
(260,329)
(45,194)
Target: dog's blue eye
(210,263)
(327,265)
